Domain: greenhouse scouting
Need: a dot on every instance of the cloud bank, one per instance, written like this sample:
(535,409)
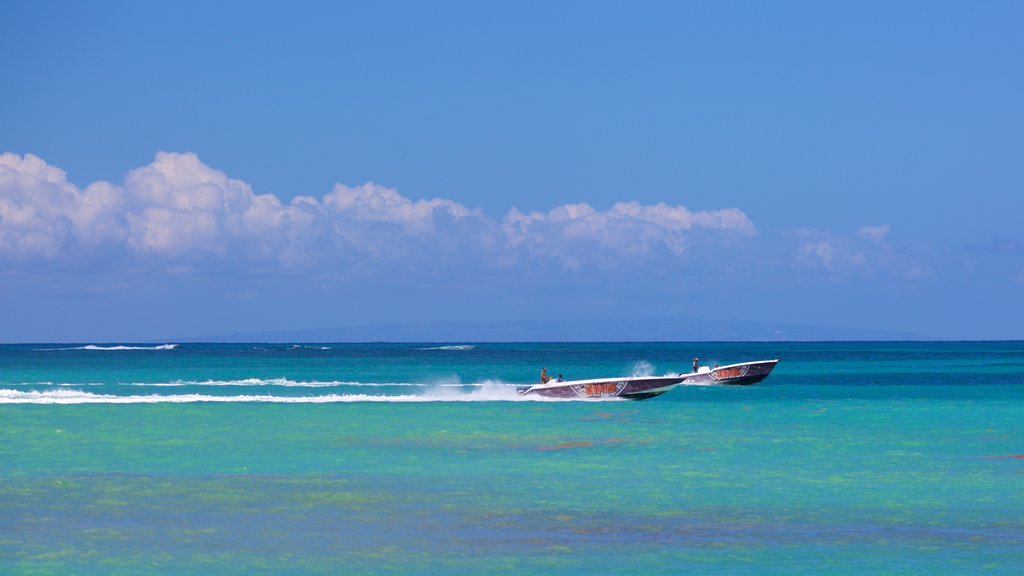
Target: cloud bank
(179,211)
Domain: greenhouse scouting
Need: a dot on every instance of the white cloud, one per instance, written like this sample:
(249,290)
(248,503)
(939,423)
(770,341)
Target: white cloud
(42,215)
(373,203)
(865,254)
(875,233)
(577,234)
(177,205)
(99,218)
(182,213)
(377,220)
(822,250)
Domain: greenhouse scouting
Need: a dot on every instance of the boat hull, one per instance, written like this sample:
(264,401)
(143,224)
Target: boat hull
(742,374)
(642,387)
(632,388)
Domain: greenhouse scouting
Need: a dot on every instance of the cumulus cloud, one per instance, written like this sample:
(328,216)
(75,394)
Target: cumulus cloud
(43,216)
(179,211)
(378,221)
(577,234)
(178,205)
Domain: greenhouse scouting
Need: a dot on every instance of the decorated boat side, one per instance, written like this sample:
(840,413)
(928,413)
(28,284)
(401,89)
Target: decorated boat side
(744,373)
(632,387)
(642,387)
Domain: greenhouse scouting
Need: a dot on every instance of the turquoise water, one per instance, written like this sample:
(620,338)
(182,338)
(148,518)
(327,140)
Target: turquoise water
(851,458)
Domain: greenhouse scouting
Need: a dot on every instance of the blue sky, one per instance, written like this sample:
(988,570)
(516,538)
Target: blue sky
(188,169)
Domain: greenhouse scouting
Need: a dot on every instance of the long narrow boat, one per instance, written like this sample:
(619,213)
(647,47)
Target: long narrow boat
(632,387)
(742,373)
(641,387)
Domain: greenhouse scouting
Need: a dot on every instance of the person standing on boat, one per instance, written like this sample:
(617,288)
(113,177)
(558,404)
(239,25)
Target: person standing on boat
(544,378)
(696,361)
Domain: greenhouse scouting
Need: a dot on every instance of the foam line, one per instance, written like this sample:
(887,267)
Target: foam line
(283,382)
(111,348)
(455,347)
(274,382)
(489,394)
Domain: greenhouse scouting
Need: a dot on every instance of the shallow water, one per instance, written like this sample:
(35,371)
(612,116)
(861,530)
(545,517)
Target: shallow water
(850,458)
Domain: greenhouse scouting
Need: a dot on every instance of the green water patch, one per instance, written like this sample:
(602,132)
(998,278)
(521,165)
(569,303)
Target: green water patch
(767,486)
(129,524)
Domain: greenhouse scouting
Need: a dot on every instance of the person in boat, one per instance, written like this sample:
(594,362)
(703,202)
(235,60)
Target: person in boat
(559,378)
(544,378)
(696,362)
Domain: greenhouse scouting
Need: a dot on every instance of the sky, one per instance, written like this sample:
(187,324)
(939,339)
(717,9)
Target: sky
(207,168)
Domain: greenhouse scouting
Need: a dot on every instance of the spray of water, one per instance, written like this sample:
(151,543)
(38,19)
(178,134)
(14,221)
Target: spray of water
(642,368)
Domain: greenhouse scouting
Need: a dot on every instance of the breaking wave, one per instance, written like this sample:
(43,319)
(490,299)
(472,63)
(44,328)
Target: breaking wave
(112,348)
(452,347)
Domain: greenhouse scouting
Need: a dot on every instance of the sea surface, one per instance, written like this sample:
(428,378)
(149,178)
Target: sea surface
(851,458)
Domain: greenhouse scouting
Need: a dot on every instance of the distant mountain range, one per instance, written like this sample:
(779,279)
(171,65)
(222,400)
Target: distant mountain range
(680,329)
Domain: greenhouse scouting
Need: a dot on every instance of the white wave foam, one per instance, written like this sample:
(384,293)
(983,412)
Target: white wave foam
(112,348)
(452,382)
(486,390)
(486,393)
(273,382)
(452,347)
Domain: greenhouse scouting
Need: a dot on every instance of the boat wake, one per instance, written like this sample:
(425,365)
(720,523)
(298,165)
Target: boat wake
(260,382)
(285,382)
(486,392)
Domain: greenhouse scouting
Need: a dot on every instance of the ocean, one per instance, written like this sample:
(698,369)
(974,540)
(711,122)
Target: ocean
(851,458)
